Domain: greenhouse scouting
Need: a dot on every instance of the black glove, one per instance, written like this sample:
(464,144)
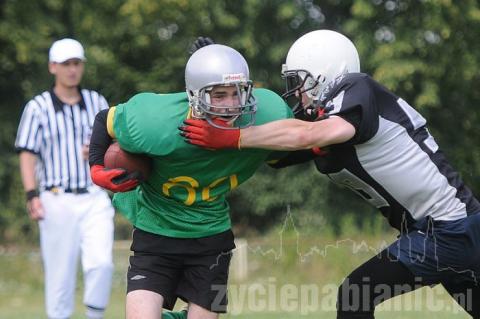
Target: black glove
(200,42)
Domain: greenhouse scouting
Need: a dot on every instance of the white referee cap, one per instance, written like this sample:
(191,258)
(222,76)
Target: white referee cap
(65,49)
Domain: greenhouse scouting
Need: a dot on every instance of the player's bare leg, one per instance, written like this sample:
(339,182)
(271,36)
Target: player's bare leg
(143,304)
(197,312)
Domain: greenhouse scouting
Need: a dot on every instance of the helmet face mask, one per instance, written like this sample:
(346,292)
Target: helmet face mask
(243,111)
(297,83)
(212,68)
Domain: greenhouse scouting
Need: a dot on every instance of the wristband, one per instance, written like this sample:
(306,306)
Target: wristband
(31,194)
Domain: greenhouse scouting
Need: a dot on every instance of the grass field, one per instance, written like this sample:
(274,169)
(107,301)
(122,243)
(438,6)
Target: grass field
(288,275)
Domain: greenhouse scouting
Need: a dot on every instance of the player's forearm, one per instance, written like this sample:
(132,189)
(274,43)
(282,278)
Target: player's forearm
(27,170)
(279,135)
(292,134)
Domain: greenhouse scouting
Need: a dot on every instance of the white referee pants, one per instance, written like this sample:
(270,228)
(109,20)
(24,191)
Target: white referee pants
(76,225)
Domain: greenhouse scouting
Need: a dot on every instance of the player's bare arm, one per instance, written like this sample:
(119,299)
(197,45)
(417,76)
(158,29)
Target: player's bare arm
(288,134)
(27,169)
(294,134)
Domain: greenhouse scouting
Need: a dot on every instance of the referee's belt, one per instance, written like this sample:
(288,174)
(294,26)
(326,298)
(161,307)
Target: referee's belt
(58,190)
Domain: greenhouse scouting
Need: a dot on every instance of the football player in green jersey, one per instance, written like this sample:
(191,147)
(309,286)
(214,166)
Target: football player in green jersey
(182,239)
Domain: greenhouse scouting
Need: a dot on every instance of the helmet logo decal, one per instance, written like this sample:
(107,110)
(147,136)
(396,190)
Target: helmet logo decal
(235,77)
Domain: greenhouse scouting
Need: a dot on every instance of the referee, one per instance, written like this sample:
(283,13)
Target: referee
(75,217)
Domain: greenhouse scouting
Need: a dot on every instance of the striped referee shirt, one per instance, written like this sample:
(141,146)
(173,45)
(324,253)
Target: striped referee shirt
(56,132)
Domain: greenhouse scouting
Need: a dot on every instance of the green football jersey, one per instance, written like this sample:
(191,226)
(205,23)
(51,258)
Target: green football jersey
(184,197)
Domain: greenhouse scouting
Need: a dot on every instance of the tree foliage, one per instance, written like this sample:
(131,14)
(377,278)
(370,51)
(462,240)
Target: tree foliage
(426,51)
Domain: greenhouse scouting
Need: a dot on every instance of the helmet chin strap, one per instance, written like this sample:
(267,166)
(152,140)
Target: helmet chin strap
(309,114)
(224,125)
(232,119)
(312,112)
(197,114)
(308,111)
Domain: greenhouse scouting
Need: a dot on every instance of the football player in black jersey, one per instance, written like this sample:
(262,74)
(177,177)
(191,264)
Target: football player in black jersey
(368,139)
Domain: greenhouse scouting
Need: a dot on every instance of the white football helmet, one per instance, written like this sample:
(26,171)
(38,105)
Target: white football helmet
(313,61)
(214,65)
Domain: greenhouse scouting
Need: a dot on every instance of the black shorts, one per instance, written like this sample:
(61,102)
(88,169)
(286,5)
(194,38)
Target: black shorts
(193,269)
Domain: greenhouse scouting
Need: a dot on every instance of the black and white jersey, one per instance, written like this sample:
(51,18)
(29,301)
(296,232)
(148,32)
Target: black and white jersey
(56,132)
(392,161)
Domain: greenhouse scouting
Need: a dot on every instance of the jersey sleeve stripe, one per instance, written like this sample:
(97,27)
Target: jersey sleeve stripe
(110,115)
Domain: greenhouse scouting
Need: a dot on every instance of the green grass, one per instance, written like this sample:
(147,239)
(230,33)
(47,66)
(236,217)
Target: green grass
(21,284)
(290,275)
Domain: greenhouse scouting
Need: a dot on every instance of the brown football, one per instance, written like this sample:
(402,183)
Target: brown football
(115,157)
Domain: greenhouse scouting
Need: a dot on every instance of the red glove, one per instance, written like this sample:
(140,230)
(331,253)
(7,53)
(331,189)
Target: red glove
(201,133)
(113,179)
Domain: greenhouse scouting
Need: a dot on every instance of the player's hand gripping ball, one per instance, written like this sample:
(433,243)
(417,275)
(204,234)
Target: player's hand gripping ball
(140,164)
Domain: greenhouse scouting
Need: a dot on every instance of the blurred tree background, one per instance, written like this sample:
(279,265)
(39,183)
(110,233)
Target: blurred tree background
(427,51)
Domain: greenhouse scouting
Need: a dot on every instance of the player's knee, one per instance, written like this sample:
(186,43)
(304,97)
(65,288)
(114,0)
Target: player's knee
(353,300)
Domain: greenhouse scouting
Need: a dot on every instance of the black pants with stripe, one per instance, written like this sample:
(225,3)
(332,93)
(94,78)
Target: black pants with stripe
(384,277)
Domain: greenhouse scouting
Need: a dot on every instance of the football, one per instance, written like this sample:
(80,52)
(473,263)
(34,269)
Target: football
(115,157)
